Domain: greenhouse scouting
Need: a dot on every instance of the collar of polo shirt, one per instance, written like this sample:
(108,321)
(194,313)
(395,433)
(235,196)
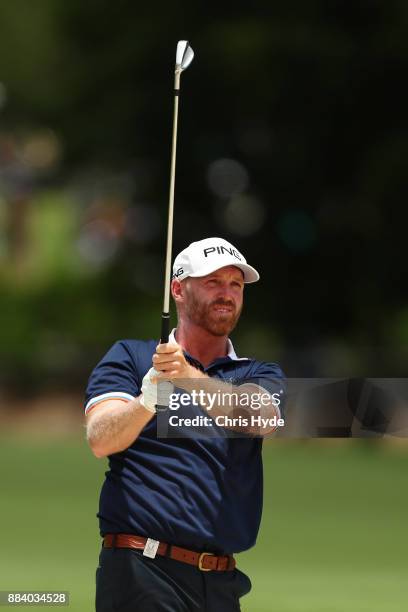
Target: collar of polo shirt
(230,348)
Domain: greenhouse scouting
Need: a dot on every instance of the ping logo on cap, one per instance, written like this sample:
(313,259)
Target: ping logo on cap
(208,255)
(221,250)
(178,273)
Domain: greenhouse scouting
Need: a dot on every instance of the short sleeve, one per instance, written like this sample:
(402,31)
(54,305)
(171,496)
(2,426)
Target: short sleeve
(270,377)
(115,377)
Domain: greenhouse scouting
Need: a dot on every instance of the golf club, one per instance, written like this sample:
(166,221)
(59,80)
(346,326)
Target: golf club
(184,57)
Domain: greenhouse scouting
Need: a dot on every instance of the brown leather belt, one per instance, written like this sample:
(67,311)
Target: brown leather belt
(204,561)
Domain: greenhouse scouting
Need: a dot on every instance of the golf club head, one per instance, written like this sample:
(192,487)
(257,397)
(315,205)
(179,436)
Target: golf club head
(184,55)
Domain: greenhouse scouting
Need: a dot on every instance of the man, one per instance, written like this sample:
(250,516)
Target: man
(176,506)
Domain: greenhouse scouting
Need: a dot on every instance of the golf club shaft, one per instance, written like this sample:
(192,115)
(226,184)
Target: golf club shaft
(165,325)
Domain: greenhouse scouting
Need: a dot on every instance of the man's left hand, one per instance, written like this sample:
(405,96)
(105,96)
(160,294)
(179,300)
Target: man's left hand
(169,360)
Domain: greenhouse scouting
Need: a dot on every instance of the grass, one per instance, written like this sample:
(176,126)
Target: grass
(333,536)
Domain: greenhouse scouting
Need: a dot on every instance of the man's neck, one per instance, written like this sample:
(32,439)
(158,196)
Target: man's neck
(201,344)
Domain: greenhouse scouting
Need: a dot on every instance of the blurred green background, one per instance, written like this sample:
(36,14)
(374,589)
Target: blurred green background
(293,145)
(333,535)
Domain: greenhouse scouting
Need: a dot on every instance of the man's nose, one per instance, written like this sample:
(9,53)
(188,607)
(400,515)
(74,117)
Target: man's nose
(226,293)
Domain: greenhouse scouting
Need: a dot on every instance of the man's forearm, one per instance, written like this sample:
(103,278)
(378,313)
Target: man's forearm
(248,408)
(114,425)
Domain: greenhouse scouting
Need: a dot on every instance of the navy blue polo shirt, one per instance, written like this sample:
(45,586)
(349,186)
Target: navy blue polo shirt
(198,493)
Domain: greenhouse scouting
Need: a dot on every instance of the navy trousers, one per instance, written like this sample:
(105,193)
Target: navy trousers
(128,581)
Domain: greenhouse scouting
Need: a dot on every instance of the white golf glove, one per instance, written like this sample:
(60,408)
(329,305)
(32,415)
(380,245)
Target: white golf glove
(155,393)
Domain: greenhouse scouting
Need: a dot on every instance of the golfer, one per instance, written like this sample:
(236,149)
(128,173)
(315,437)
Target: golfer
(179,499)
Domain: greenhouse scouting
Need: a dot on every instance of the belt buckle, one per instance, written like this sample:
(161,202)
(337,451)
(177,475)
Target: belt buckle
(200,562)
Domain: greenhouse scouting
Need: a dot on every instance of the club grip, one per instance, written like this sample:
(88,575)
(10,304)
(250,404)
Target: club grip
(165,328)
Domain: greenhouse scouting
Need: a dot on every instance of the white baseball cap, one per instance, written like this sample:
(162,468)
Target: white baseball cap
(205,256)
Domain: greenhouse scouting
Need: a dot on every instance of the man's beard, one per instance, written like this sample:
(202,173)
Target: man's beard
(204,315)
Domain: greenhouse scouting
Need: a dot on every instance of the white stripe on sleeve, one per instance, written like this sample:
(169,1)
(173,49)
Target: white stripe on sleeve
(111,395)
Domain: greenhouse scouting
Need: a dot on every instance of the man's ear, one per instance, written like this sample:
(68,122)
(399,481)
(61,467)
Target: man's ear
(177,290)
